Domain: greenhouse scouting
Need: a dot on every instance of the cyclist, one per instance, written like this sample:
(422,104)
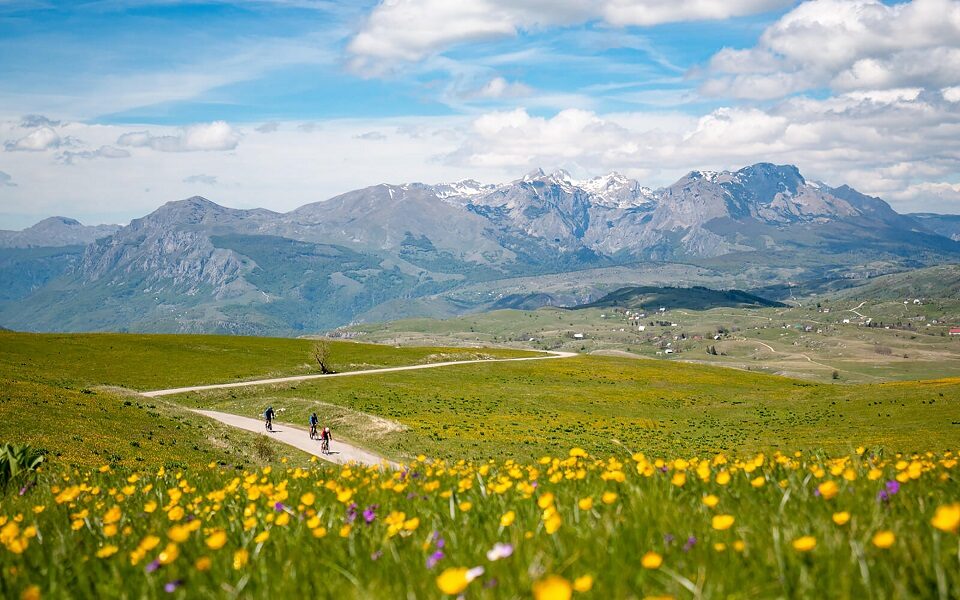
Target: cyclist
(268,416)
(313,426)
(325,437)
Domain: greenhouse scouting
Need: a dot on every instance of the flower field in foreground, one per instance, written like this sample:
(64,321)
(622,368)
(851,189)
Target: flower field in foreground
(781,525)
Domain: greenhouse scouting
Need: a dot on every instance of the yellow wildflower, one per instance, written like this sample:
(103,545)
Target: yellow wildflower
(841,518)
(884,539)
(240,559)
(651,560)
(107,551)
(805,543)
(583,583)
(552,587)
(722,522)
(508,518)
(947,518)
(585,503)
(217,539)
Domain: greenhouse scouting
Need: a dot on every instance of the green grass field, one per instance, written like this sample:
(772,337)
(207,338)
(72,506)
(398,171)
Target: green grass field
(71,394)
(520,410)
(769,340)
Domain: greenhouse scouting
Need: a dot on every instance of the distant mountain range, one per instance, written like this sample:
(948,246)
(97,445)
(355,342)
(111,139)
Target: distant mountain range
(391,251)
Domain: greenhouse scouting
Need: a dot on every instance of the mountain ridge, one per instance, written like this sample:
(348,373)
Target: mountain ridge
(194,265)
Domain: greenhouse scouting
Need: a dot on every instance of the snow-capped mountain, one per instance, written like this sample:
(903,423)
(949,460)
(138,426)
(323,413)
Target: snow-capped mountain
(415,248)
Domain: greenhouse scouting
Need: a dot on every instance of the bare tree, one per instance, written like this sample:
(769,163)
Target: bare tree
(321,354)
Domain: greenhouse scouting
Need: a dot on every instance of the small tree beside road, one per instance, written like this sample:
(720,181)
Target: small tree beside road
(321,354)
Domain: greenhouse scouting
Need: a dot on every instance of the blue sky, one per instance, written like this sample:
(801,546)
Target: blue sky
(280,102)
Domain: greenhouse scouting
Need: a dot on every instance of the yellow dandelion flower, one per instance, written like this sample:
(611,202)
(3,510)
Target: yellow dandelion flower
(282,519)
(583,583)
(107,551)
(345,530)
(411,524)
(109,530)
(805,543)
(308,499)
(112,516)
(720,547)
(313,522)
(758,482)
(545,500)
(31,592)
(739,546)
(722,522)
(465,506)
(651,560)
(262,537)
(149,507)
(203,563)
(176,513)
(320,532)
(552,522)
(240,559)
(453,580)
(947,518)
(578,453)
(38,509)
(710,500)
(178,533)
(216,540)
(149,543)
(841,518)
(828,489)
(723,477)
(508,518)
(884,539)
(169,554)
(679,478)
(609,497)
(552,587)
(585,503)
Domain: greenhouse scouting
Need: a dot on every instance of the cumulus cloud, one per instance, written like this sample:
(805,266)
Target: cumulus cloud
(371,136)
(215,136)
(201,178)
(845,45)
(34,121)
(37,140)
(6,180)
(71,156)
(883,143)
(268,127)
(410,30)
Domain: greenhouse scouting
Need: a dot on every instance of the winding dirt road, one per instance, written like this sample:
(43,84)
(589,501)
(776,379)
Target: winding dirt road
(221,386)
(341,452)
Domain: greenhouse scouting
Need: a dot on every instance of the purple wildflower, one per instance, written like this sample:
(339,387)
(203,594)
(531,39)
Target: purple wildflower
(664,469)
(440,543)
(816,492)
(351,512)
(535,484)
(490,583)
(893,487)
(691,542)
(668,538)
(279,506)
(883,496)
(153,566)
(434,558)
(370,513)
(172,586)
(499,550)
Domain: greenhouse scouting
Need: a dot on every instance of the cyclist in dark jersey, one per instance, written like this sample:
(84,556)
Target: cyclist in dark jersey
(314,421)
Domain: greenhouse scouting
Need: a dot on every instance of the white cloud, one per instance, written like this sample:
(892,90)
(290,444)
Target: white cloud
(201,178)
(374,136)
(409,30)
(845,45)
(215,136)
(37,140)
(498,87)
(71,156)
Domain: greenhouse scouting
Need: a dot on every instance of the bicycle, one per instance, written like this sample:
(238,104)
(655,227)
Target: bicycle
(325,446)
(313,432)
(268,425)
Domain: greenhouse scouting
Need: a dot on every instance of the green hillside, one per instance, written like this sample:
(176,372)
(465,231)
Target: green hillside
(72,394)
(942,281)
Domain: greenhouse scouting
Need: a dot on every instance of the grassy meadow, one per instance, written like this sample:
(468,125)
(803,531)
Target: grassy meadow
(769,340)
(793,525)
(607,405)
(72,394)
